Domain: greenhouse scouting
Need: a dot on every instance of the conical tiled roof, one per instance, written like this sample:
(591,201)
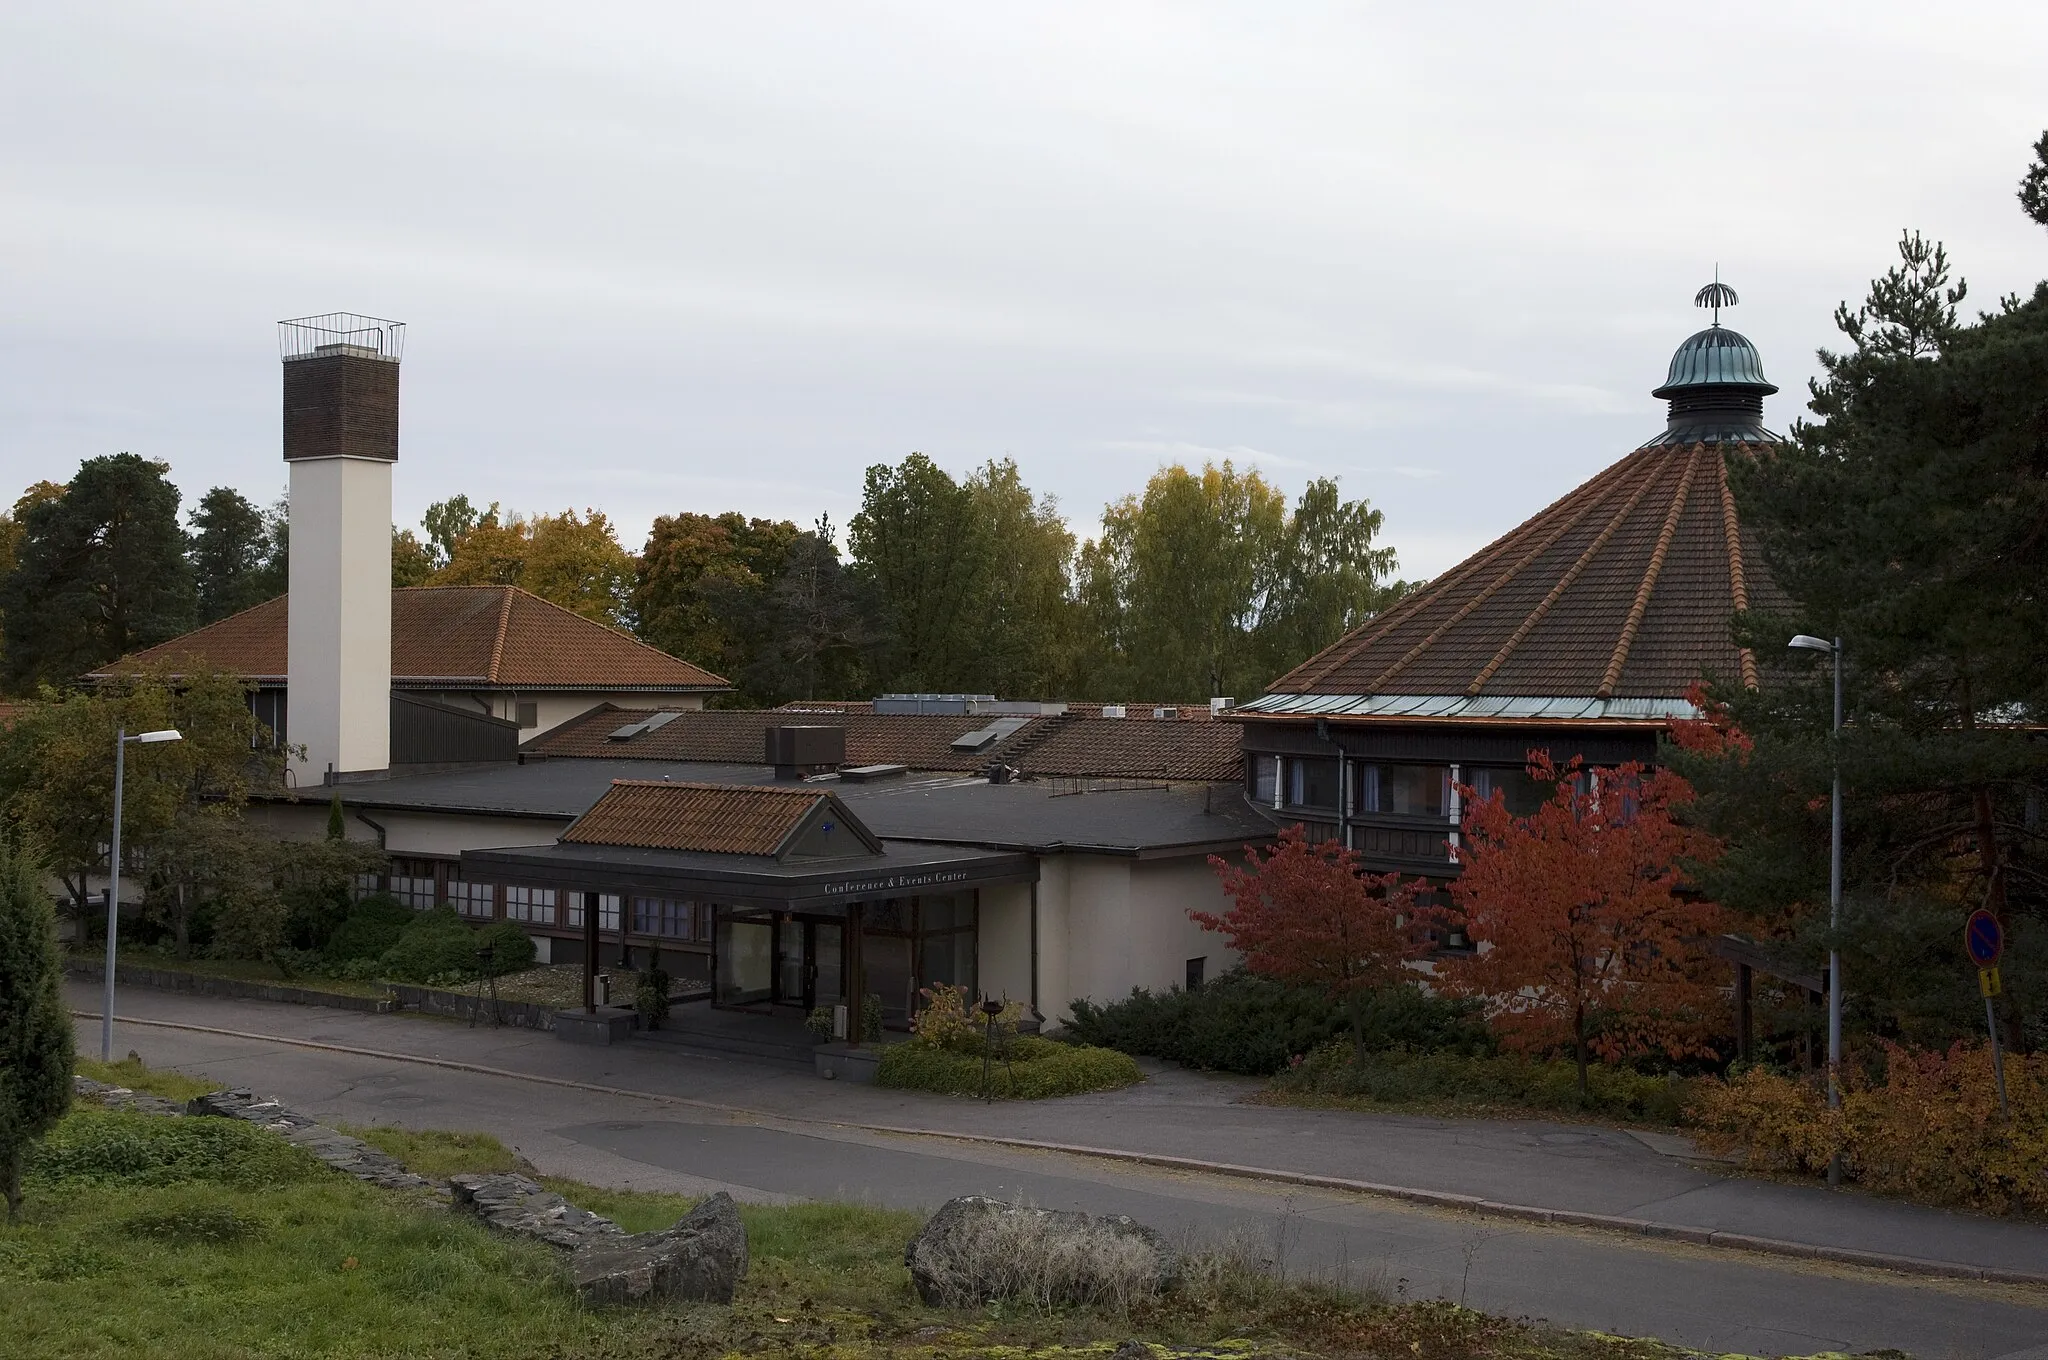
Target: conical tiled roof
(1622,589)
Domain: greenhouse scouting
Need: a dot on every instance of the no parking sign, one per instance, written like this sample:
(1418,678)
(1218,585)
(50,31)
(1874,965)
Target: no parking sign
(1984,938)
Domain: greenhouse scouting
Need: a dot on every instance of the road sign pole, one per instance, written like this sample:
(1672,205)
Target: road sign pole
(1997,1060)
(1984,941)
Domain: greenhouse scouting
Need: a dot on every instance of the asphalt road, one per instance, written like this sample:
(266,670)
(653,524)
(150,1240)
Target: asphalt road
(1716,1300)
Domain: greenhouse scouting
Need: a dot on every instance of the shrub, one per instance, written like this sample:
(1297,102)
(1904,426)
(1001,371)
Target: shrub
(373,925)
(434,943)
(946,1021)
(650,997)
(1036,1068)
(1401,1077)
(994,1251)
(104,1148)
(1929,1130)
(512,949)
(1240,1022)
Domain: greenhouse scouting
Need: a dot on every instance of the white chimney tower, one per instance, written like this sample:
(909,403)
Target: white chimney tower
(340,440)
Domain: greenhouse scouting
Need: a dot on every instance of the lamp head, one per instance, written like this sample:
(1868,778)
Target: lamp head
(1809,643)
(151,738)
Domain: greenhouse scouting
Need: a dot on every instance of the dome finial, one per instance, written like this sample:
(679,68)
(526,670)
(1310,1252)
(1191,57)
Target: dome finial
(1716,295)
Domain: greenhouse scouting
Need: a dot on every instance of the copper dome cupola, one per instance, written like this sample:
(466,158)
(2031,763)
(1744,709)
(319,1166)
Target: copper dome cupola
(1716,384)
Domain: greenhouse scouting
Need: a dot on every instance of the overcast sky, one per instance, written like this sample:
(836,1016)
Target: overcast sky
(723,256)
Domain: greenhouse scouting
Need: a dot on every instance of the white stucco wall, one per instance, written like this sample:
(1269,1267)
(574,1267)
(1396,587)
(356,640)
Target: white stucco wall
(1109,923)
(1163,939)
(1003,946)
(339,628)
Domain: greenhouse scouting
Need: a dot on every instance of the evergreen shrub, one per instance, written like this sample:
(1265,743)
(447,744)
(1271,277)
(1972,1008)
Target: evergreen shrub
(1240,1022)
(1036,1068)
(650,997)
(435,943)
(1405,1077)
(372,926)
(512,949)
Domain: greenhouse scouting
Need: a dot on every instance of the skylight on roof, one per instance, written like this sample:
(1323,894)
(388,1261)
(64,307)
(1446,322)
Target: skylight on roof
(652,723)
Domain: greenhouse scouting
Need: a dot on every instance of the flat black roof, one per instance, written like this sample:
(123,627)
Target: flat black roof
(1035,816)
(902,869)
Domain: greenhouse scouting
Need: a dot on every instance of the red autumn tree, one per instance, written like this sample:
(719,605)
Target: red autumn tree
(1584,936)
(1303,913)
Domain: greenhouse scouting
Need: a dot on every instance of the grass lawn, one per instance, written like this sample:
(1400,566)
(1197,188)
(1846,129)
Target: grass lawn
(144,1238)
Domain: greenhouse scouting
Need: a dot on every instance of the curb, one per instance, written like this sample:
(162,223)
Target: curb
(1435,1199)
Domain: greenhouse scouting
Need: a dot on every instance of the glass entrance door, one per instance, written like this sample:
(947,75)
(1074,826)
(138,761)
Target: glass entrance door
(828,964)
(792,961)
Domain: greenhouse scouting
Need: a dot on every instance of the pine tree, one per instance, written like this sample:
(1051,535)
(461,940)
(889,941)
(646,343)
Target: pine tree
(100,572)
(1911,520)
(35,1028)
(230,555)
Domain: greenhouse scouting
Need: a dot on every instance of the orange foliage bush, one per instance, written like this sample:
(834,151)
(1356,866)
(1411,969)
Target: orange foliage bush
(1930,1131)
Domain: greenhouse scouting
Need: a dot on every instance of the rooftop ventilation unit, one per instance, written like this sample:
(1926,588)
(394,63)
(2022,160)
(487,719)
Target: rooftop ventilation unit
(999,730)
(652,723)
(1221,704)
(1166,713)
(795,751)
(1112,710)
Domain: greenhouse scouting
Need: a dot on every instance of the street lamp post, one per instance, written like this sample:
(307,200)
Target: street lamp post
(121,740)
(1806,642)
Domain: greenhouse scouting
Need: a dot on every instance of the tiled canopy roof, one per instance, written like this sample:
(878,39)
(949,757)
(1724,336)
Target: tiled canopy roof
(497,637)
(1090,747)
(727,819)
(1622,589)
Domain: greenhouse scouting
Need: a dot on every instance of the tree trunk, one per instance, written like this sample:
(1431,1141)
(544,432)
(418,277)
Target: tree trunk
(1356,1014)
(1579,1046)
(182,919)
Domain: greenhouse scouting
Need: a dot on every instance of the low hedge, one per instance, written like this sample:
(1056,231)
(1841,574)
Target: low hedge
(1239,1022)
(1401,1077)
(1036,1068)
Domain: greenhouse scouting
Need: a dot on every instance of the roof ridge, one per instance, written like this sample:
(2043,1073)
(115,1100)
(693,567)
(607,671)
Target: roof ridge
(1649,581)
(1565,525)
(1738,585)
(1557,591)
(1434,590)
(504,626)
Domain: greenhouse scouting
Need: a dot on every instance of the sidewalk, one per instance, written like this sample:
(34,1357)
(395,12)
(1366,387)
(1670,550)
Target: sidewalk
(1571,1168)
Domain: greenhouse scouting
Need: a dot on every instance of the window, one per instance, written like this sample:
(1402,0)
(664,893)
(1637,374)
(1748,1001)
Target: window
(607,910)
(1519,793)
(479,900)
(1311,783)
(527,715)
(1196,967)
(1403,790)
(413,882)
(365,883)
(671,919)
(946,940)
(1266,781)
(536,905)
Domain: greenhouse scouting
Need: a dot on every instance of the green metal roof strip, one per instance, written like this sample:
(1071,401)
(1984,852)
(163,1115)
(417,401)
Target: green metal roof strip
(1455,707)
